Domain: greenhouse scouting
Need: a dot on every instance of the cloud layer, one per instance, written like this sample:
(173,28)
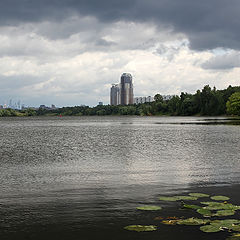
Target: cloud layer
(208,24)
(68,52)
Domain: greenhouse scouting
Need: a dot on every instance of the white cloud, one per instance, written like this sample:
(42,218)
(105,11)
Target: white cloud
(41,66)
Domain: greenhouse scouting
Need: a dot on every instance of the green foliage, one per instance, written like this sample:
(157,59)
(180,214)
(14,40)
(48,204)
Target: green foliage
(158,98)
(233,104)
(8,112)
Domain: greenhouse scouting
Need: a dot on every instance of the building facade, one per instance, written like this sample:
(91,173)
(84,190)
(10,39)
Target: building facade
(126,89)
(115,94)
(122,93)
(139,100)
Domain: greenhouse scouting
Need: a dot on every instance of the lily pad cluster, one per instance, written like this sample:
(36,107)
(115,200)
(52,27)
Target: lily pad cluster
(149,208)
(141,228)
(209,210)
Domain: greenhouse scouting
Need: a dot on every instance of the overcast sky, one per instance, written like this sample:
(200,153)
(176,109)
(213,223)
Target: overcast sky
(69,52)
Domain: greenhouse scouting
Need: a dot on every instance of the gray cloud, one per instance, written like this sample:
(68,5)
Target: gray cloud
(226,61)
(208,24)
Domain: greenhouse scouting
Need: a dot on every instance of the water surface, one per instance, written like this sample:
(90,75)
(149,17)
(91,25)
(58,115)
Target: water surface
(82,177)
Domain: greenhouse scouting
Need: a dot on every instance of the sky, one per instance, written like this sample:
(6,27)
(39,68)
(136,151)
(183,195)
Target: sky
(69,52)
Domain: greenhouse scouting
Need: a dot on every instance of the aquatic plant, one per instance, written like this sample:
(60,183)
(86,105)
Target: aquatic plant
(198,195)
(178,198)
(204,212)
(192,221)
(220,213)
(141,228)
(220,198)
(191,206)
(207,209)
(149,208)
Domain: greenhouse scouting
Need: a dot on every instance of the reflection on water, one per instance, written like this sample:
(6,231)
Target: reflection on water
(63,177)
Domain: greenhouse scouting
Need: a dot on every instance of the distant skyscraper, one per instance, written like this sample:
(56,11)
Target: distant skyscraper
(115,95)
(126,89)
(122,93)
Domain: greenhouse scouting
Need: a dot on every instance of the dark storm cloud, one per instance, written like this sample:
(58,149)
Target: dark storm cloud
(207,23)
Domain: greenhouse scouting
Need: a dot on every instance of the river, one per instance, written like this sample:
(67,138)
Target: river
(83,177)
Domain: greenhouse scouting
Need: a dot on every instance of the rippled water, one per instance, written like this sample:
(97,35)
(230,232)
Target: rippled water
(82,177)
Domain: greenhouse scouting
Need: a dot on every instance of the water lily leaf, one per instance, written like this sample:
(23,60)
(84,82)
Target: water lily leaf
(210,228)
(149,208)
(212,207)
(191,206)
(198,195)
(170,199)
(220,198)
(190,198)
(141,228)
(236,228)
(225,224)
(235,236)
(230,206)
(192,221)
(224,213)
(204,212)
(220,206)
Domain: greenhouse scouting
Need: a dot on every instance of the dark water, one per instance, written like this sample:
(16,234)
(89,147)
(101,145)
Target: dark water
(83,177)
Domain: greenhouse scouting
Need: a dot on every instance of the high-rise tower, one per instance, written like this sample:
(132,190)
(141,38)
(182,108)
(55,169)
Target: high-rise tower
(122,93)
(126,89)
(115,95)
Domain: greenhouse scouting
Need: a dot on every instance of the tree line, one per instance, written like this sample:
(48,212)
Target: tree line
(206,102)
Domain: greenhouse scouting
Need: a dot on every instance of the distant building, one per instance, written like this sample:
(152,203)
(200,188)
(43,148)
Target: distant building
(126,89)
(138,100)
(1,106)
(122,93)
(44,107)
(115,94)
(53,106)
(167,97)
(100,103)
(47,108)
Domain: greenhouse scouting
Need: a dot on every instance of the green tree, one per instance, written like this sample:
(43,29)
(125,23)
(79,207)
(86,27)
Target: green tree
(173,105)
(158,98)
(233,104)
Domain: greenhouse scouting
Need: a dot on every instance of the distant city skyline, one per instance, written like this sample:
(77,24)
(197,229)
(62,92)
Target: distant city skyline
(122,93)
(71,59)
